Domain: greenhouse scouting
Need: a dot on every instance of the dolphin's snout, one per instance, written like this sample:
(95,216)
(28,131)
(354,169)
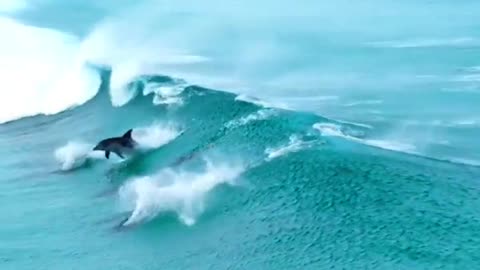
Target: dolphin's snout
(96,148)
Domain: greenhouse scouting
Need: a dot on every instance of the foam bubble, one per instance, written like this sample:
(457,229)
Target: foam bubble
(181,192)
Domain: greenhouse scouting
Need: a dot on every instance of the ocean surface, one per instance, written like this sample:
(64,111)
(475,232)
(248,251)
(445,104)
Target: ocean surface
(271,134)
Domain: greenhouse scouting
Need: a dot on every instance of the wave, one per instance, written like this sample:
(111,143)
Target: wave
(12,6)
(165,94)
(181,192)
(468,78)
(331,129)
(354,123)
(41,71)
(427,43)
(465,161)
(457,123)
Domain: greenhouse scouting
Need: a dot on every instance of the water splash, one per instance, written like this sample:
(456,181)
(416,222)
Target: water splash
(181,192)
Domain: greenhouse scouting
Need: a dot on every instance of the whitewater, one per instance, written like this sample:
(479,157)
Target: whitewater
(270,135)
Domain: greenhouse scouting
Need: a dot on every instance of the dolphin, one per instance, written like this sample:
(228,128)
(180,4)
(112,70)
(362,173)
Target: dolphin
(117,145)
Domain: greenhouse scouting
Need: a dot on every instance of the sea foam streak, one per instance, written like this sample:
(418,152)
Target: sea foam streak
(259,115)
(295,144)
(331,129)
(181,192)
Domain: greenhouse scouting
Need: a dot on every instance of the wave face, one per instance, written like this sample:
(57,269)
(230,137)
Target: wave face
(287,136)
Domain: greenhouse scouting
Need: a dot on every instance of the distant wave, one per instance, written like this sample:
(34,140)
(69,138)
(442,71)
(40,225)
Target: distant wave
(363,102)
(330,129)
(260,102)
(458,123)
(427,43)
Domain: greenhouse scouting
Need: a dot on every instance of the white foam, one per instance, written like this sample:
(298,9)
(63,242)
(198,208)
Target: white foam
(73,155)
(144,52)
(167,94)
(181,192)
(41,72)
(259,115)
(295,144)
(155,135)
(330,129)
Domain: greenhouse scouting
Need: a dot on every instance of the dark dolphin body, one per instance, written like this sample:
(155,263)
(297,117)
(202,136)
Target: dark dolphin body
(117,145)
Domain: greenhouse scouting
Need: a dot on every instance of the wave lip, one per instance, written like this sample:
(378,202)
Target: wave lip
(181,192)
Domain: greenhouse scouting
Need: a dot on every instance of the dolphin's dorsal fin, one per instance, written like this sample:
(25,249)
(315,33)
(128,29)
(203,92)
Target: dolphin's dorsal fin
(128,134)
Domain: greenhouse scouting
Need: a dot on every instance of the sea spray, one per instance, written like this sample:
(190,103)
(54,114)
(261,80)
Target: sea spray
(72,155)
(181,192)
(155,135)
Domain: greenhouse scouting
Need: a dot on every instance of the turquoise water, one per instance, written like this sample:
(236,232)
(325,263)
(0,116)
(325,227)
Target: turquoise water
(313,137)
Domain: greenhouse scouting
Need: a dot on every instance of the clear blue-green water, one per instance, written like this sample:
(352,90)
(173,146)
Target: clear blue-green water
(270,135)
